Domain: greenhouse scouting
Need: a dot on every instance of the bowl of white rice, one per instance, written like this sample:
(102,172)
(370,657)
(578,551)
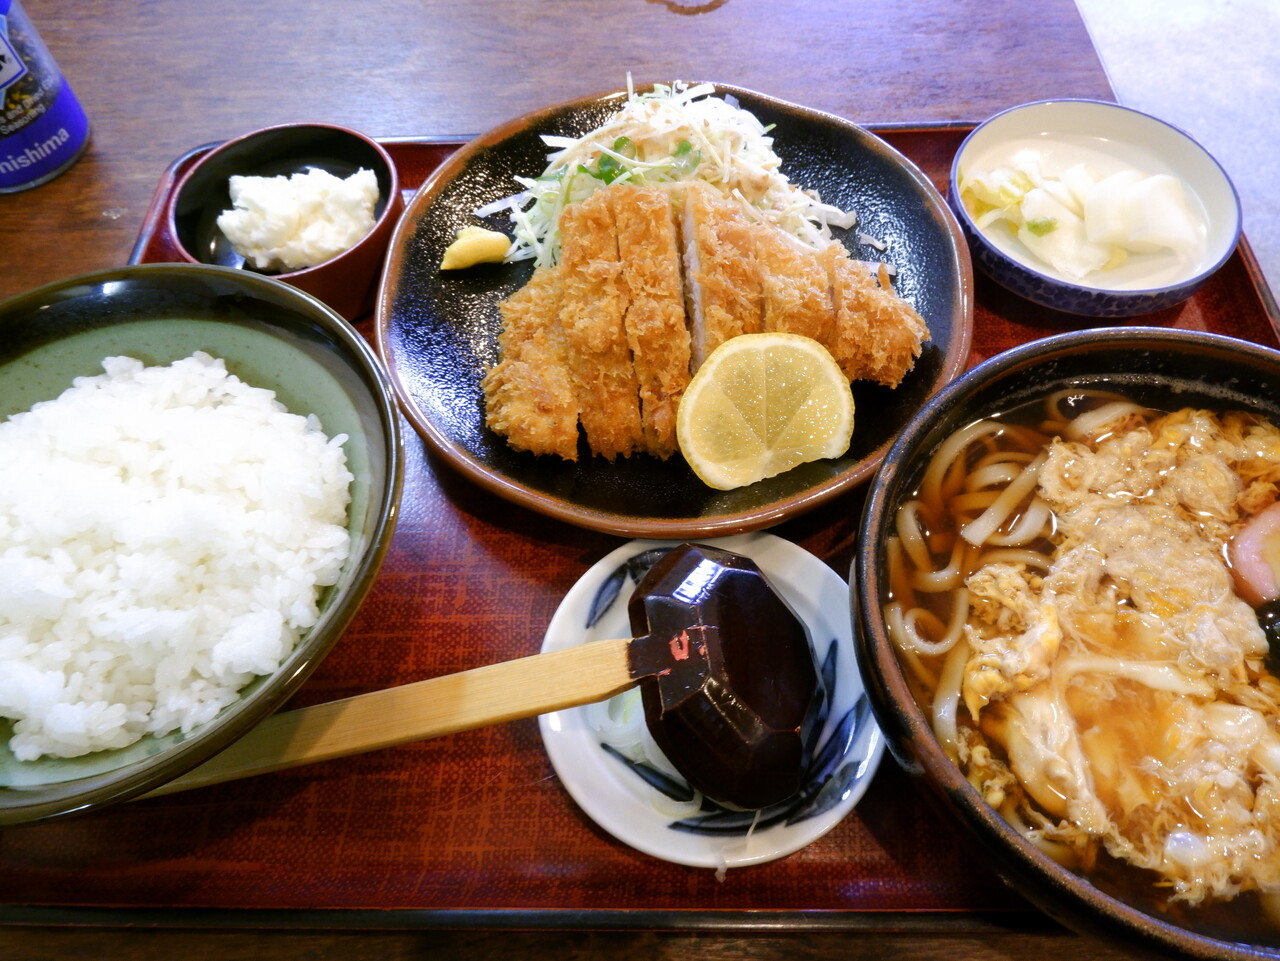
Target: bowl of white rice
(200,471)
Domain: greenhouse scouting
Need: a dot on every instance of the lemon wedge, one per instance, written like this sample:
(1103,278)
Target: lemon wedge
(761,404)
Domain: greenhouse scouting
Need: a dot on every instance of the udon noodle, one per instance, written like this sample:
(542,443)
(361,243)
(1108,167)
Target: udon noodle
(1062,604)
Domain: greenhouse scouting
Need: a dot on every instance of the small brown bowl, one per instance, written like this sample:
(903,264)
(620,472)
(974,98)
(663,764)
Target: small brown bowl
(346,282)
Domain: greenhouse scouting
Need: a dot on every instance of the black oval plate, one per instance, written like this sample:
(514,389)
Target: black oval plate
(437,332)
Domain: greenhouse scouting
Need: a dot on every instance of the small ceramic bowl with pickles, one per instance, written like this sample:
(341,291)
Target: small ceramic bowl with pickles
(1092,208)
(347,280)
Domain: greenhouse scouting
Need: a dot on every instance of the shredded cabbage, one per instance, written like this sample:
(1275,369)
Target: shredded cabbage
(621,724)
(676,132)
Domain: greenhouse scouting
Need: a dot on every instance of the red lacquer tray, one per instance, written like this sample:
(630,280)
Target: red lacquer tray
(474,829)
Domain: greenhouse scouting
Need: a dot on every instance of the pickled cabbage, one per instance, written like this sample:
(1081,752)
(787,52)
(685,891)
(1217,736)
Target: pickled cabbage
(1079,222)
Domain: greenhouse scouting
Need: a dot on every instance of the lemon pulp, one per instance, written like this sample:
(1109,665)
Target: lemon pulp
(760,405)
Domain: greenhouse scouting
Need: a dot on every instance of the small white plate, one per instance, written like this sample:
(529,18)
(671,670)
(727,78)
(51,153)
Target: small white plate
(639,805)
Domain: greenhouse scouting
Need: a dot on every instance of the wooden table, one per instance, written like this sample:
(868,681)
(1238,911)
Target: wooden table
(158,79)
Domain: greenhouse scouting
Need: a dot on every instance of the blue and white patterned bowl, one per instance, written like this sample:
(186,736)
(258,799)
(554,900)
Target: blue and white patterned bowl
(1096,130)
(633,793)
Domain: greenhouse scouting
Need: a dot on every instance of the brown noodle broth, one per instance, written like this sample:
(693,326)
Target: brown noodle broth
(943,506)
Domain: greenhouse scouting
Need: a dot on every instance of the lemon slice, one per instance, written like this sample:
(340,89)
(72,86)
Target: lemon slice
(762,404)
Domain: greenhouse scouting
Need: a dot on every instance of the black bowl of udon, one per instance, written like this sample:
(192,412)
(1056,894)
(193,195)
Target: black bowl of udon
(1063,594)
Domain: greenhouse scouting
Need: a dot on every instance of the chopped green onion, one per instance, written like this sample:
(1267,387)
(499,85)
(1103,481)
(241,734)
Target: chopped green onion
(687,160)
(608,167)
(1042,225)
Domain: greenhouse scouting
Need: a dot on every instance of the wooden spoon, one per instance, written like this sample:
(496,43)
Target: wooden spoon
(728,680)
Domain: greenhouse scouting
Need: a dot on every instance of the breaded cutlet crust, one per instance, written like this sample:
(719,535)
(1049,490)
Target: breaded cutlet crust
(649,250)
(593,306)
(650,281)
(721,276)
(530,395)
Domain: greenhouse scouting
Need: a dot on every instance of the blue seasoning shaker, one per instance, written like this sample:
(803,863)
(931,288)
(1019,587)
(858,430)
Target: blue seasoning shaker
(43,128)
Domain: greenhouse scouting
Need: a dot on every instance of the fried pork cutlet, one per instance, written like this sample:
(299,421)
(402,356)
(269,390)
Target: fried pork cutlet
(530,394)
(593,305)
(763,280)
(722,281)
(608,338)
(649,250)
(878,334)
(793,280)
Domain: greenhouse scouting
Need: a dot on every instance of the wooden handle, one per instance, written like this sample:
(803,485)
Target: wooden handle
(493,694)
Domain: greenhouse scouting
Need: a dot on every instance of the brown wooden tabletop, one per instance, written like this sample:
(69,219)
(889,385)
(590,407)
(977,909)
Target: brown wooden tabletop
(158,79)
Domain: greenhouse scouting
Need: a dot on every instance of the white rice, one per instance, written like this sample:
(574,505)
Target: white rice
(164,533)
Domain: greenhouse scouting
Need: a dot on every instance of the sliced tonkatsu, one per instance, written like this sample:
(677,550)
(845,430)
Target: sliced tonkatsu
(650,281)
(654,320)
(878,334)
(722,280)
(593,305)
(531,395)
(794,286)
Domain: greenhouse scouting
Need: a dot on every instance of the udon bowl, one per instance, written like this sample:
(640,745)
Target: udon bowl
(270,335)
(1169,367)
